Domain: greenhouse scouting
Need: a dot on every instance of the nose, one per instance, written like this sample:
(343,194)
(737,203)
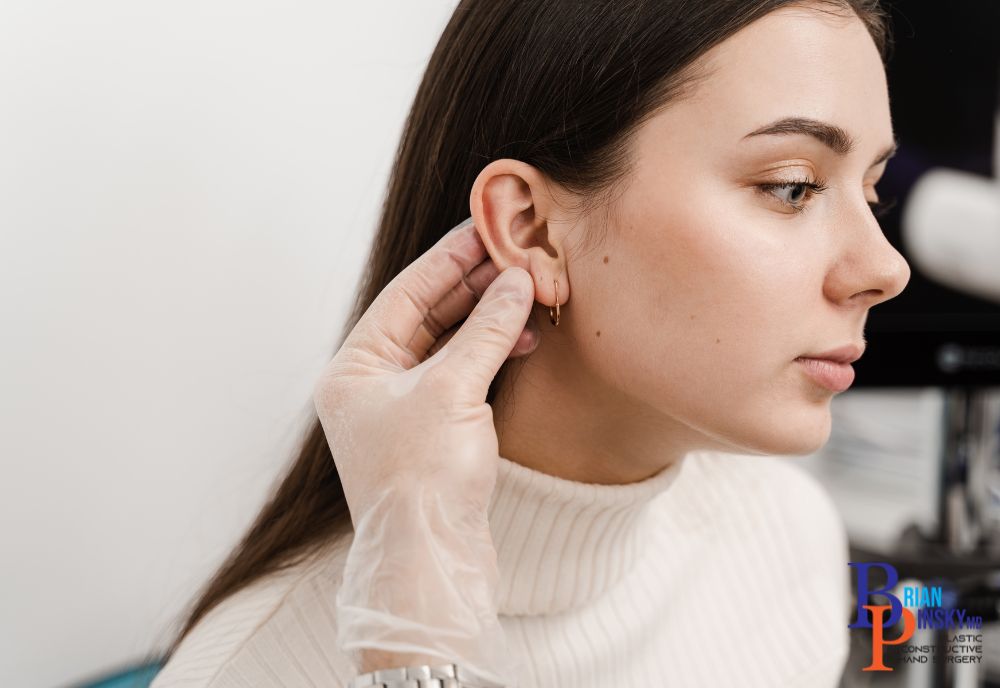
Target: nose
(869,270)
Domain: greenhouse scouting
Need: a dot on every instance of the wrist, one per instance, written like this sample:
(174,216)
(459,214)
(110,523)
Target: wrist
(373,659)
(437,675)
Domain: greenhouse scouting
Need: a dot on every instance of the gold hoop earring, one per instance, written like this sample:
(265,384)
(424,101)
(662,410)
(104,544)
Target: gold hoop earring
(554,316)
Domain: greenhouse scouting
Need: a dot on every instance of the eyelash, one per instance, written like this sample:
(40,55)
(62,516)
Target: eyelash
(879,208)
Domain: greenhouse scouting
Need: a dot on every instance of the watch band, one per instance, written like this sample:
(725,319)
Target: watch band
(422,676)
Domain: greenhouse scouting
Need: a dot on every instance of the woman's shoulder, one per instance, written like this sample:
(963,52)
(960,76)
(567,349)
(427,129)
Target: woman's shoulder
(278,631)
(783,527)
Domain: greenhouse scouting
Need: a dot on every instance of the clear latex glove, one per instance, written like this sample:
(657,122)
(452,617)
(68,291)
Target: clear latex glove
(402,405)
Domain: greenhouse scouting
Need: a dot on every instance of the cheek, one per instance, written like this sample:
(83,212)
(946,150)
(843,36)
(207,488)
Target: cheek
(701,314)
(705,300)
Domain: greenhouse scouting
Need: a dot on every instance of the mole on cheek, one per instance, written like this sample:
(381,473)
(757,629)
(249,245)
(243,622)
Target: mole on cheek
(605,259)
(716,341)
(598,333)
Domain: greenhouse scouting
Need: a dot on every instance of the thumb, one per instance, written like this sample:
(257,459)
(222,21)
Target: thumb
(486,338)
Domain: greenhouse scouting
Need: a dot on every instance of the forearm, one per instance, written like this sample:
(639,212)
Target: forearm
(418,588)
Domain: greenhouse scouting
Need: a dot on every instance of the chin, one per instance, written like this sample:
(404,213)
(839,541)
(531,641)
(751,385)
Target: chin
(785,433)
(804,438)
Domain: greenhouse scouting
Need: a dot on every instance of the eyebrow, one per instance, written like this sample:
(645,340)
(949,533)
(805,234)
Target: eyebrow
(830,135)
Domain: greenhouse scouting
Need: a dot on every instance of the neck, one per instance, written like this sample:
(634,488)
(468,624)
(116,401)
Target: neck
(559,420)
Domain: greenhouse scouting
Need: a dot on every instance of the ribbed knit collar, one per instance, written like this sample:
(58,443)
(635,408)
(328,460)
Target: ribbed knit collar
(562,543)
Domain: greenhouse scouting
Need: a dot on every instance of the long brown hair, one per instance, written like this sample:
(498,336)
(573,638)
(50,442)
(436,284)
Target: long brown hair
(558,84)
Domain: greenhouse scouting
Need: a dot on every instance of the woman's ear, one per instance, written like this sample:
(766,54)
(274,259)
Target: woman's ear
(521,224)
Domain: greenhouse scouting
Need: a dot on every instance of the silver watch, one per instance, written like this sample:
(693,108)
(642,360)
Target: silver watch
(423,676)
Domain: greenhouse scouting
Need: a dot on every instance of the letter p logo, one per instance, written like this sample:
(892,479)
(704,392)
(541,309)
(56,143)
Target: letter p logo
(909,623)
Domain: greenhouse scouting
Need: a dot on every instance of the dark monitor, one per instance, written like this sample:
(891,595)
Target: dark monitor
(944,79)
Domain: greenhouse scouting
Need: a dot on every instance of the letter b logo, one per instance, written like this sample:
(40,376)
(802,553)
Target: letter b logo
(864,591)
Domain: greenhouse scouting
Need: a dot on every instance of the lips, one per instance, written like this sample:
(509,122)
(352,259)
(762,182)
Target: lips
(848,353)
(833,375)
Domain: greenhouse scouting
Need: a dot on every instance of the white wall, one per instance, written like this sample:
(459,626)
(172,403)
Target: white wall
(187,191)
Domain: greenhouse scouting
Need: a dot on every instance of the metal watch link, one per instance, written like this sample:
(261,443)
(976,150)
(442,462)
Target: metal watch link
(422,676)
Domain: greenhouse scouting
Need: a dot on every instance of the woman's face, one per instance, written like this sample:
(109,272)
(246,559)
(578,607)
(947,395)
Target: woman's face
(708,285)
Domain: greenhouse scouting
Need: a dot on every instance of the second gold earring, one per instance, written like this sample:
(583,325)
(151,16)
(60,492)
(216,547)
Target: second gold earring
(554,315)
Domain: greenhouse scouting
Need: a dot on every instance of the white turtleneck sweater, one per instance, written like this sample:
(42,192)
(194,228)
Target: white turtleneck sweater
(721,570)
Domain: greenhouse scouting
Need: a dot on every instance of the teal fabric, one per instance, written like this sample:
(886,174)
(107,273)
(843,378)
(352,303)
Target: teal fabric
(134,677)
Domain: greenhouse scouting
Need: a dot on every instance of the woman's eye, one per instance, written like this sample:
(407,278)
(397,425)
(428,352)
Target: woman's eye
(793,194)
(798,192)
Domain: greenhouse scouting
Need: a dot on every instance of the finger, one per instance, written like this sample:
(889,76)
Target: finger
(485,340)
(526,343)
(452,308)
(402,306)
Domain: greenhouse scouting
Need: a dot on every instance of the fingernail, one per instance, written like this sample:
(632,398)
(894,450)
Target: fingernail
(527,344)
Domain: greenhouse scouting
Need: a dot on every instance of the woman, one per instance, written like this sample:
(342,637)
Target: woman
(691,184)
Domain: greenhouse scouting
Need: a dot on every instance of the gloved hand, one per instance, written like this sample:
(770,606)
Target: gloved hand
(402,404)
